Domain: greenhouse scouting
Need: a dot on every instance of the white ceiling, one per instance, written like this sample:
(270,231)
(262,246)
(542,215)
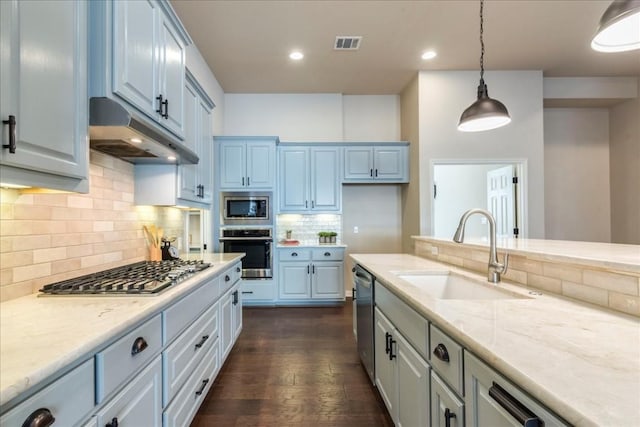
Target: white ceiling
(246,43)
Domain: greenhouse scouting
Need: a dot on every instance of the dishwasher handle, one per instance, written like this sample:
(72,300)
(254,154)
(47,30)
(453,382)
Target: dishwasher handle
(516,409)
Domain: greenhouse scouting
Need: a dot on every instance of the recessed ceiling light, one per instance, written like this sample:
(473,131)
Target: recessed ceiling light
(136,140)
(429,54)
(296,55)
(172,158)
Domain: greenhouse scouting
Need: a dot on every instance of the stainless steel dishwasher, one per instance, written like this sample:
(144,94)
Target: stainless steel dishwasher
(363,284)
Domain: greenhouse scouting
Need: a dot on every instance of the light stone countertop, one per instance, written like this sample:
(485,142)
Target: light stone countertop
(594,254)
(44,337)
(311,244)
(580,361)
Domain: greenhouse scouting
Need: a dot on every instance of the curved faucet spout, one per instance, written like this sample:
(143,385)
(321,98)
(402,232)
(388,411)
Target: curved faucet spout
(495,268)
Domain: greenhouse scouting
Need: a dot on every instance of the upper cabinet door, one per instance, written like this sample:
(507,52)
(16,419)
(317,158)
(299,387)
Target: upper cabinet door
(135,60)
(325,179)
(205,151)
(233,171)
(43,74)
(171,51)
(294,178)
(384,163)
(261,164)
(358,163)
(390,163)
(187,173)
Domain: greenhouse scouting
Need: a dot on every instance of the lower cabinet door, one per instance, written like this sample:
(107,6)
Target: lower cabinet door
(186,403)
(385,364)
(327,280)
(413,386)
(236,301)
(295,280)
(226,324)
(139,403)
(446,409)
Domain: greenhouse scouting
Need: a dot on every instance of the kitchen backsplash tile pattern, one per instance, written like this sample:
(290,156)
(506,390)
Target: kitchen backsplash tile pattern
(47,237)
(305,228)
(616,290)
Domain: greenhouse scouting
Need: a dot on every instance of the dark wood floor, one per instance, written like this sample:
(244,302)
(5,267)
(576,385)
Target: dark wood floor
(294,367)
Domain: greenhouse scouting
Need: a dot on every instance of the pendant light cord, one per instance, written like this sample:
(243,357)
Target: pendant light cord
(481,41)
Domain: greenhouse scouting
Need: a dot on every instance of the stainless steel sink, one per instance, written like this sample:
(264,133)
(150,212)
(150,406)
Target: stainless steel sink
(447,285)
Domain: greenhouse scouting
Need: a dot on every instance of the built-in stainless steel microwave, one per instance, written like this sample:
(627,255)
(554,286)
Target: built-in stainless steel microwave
(246,208)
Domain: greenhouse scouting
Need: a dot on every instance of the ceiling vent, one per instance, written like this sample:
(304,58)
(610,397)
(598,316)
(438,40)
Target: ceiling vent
(347,42)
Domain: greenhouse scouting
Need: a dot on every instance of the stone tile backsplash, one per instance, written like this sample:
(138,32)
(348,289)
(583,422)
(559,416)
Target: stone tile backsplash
(616,290)
(305,228)
(48,237)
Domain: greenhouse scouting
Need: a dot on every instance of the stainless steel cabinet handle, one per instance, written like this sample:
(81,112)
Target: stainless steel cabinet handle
(514,407)
(204,384)
(12,134)
(138,346)
(441,352)
(41,417)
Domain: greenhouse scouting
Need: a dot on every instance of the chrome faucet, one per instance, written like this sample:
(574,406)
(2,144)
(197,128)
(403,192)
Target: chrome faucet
(495,268)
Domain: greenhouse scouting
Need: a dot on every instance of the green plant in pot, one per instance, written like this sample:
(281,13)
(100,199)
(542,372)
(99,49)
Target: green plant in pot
(332,235)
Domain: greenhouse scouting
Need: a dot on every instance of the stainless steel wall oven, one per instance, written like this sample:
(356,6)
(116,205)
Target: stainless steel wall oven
(257,244)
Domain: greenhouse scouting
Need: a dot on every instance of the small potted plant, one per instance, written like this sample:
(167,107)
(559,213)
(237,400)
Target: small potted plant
(322,237)
(332,237)
(289,234)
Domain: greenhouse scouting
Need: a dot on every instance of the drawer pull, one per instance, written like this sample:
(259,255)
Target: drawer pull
(202,341)
(237,269)
(138,346)
(441,353)
(327,254)
(113,423)
(39,418)
(204,384)
(247,292)
(447,417)
(294,253)
(227,278)
(513,406)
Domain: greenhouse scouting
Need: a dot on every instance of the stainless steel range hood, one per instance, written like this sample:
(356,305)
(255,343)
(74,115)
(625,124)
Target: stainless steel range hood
(115,130)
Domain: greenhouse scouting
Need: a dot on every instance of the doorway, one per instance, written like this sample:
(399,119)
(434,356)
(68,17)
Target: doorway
(495,185)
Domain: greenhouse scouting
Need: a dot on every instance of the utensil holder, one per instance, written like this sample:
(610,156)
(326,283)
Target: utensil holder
(155,254)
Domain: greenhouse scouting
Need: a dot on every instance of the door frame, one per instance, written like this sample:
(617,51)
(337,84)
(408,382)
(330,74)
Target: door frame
(521,197)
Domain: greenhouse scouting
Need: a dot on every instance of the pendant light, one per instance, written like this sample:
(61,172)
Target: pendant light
(619,28)
(485,113)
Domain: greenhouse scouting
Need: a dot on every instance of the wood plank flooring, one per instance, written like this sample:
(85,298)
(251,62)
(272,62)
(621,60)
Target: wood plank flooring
(294,367)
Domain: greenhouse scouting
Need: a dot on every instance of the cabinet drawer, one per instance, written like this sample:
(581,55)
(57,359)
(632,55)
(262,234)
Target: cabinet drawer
(413,326)
(230,277)
(139,403)
(257,290)
(183,355)
(443,347)
(188,400)
(327,254)
(294,254)
(69,399)
(185,311)
(126,356)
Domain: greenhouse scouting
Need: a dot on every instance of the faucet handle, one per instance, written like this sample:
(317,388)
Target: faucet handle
(505,266)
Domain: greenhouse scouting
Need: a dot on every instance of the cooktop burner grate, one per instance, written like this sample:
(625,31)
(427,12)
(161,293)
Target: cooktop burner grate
(141,278)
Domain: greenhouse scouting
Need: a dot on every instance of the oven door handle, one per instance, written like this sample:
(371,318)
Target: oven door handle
(240,239)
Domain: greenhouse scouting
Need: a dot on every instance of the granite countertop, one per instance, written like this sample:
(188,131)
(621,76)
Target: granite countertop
(42,337)
(580,361)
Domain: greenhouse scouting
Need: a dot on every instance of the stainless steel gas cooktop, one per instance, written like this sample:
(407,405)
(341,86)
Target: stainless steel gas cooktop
(141,278)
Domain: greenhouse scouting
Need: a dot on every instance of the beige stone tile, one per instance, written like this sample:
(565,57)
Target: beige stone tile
(480,256)
(49,254)
(624,303)
(480,267)
(50,199)
(16,259)
(121,206)
(526,264)
(562,271)
(456,251)
(92,260)
(20,274)
(6,244)
(6,276)
(6,211)
(26,227)
(80,202)
(103,204)
(32,212)
(451,260)
(79,226)
(123,186)
(99,226)
(79,251)
(585,293)
(615,282)
(65,239)
(128,197)
(87,238)
(515,276)
(14,291)
(65,266)
(102,159)
(25,243)
(549,284)
(95,170)
(65,213)
(113,257)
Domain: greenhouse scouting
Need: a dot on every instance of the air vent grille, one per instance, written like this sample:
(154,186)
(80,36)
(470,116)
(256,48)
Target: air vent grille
(348,42)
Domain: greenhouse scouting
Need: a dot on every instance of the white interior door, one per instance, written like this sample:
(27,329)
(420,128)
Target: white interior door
(500,199)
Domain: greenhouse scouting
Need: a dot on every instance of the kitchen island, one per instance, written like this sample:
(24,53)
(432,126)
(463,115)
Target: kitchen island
(44,337)
(578,360)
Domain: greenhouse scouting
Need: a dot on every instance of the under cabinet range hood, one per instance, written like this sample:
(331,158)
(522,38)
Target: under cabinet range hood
(116,131)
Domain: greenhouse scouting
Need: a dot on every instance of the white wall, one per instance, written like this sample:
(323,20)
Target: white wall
(576,153)
(443,95)
(371,118)
(624,140)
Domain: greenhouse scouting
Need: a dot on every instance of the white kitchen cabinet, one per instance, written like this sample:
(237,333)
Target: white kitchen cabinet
(309,179)
(246,163)
(230,319)
(149,59)
(76,386)
(43,94)
(376,164)
(402,375)
(446,408)
(139,403)
(311,274)
(491,400)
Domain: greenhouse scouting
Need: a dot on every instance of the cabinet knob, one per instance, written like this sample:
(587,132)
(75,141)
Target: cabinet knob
(12,134)
(238,270)
(138,346)
(441,352)
(41,417)
(226,278)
